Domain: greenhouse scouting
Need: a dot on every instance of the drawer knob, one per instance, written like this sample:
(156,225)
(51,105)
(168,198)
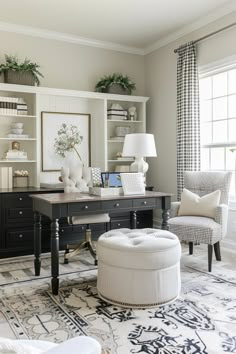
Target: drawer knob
(144,202)
(62,230)
(86,207)
(20,236)
(118,224)
(20,199)
(117,205)
(20,212)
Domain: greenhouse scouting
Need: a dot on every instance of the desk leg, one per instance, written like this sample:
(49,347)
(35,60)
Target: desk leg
(37,242)
(55,256)
(133,219)
(165,218)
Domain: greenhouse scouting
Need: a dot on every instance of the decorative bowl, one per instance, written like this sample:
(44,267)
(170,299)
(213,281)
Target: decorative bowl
(17,131)
(17,125)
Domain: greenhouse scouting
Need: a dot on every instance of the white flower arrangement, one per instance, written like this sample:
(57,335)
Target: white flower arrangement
(68,138)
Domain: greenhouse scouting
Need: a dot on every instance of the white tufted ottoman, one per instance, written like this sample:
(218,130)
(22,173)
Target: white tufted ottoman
(138,268)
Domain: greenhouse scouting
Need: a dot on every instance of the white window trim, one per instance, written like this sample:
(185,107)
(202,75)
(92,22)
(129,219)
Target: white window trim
(217,67)
(213,69)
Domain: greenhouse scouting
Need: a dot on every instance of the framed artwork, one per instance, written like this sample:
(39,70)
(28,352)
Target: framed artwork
(51,123)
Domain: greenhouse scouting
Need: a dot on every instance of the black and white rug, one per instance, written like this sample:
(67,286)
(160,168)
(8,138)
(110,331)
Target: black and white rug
(202,320)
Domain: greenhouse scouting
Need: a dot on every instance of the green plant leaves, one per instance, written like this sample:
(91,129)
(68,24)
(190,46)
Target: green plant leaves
(123,80)
(13,63)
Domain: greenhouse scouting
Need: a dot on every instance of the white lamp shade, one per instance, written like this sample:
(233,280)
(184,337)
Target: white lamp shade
(139,145)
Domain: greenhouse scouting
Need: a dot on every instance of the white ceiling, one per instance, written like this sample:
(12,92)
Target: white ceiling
(129,23)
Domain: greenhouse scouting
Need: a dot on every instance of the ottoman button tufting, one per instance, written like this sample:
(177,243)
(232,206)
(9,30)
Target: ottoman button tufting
(138,268)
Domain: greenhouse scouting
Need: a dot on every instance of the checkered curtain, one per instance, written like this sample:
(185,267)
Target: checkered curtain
(188,119)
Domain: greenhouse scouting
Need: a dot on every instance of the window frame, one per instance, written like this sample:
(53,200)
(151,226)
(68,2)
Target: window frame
(210,70)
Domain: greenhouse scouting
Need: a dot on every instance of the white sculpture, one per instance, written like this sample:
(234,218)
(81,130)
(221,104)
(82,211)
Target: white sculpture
(132,113)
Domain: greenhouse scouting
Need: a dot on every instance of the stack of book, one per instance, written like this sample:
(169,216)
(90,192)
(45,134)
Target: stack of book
(117,114)
(8,105)
(5,177)
(13,106)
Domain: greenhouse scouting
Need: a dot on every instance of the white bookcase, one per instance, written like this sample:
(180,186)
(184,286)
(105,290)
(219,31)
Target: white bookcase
(39,99)
(115,145)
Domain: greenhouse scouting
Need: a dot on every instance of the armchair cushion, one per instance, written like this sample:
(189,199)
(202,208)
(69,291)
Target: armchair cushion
(196,228)
(174,211)
(193,204)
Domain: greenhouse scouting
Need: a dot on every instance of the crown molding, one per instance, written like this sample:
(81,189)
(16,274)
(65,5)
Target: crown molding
(65,37)
(69,38)
(215,15)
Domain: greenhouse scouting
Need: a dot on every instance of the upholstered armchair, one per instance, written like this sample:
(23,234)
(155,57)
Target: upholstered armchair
(79,179)
(199,229)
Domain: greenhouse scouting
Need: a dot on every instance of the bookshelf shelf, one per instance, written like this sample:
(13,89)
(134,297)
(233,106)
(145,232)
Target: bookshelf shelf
(124,121)
(16,116)
(21,139)
(121,160)
(18,161)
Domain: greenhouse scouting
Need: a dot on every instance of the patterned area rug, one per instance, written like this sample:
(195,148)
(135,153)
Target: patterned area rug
(202,320)
(22,269)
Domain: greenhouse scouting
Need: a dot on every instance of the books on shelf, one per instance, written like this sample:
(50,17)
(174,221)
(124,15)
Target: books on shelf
(13,106)
(5,177)
(16,155)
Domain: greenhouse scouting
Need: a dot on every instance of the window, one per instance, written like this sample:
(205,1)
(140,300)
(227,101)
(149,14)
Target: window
(218,122)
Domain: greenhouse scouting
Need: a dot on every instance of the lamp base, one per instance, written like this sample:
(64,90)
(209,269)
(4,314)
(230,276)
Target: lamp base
(139,165)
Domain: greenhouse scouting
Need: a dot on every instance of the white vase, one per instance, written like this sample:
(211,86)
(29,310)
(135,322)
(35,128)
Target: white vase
(72,160)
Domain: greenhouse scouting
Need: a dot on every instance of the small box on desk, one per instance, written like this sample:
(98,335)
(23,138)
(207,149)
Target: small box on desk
(105,192)
(20,181)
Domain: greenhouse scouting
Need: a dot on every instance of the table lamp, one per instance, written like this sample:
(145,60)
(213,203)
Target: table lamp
(139,145)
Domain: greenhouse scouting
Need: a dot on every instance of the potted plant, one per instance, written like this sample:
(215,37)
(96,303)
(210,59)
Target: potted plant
(116,83)
(21,73)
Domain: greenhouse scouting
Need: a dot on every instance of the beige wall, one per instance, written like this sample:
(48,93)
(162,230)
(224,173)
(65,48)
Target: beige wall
(161,110)
(72,66)
(161,87)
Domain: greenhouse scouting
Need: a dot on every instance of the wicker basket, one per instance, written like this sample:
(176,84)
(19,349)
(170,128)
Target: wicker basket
(19,78)
(117,89)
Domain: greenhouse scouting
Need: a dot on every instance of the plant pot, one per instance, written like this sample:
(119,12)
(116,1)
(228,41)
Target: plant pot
(117,89)
(19,78)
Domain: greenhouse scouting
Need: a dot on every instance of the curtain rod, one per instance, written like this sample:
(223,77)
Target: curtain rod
(211,34)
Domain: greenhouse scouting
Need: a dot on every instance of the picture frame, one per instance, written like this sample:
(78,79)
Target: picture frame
(51,122)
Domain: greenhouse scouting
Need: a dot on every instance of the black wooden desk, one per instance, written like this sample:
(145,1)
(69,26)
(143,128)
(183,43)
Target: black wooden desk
(58,205)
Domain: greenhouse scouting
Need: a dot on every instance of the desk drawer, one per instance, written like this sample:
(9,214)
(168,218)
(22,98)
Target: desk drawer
(117,204)
(18,200)
(118,224)
(20,213)
(20,238)
(144,203)
(83,207)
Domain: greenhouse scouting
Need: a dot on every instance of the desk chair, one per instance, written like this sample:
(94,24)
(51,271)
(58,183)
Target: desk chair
(78,179)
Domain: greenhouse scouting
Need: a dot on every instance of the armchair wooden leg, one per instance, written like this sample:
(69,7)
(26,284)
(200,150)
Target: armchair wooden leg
(210,251)
(190,247)
(217,251)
